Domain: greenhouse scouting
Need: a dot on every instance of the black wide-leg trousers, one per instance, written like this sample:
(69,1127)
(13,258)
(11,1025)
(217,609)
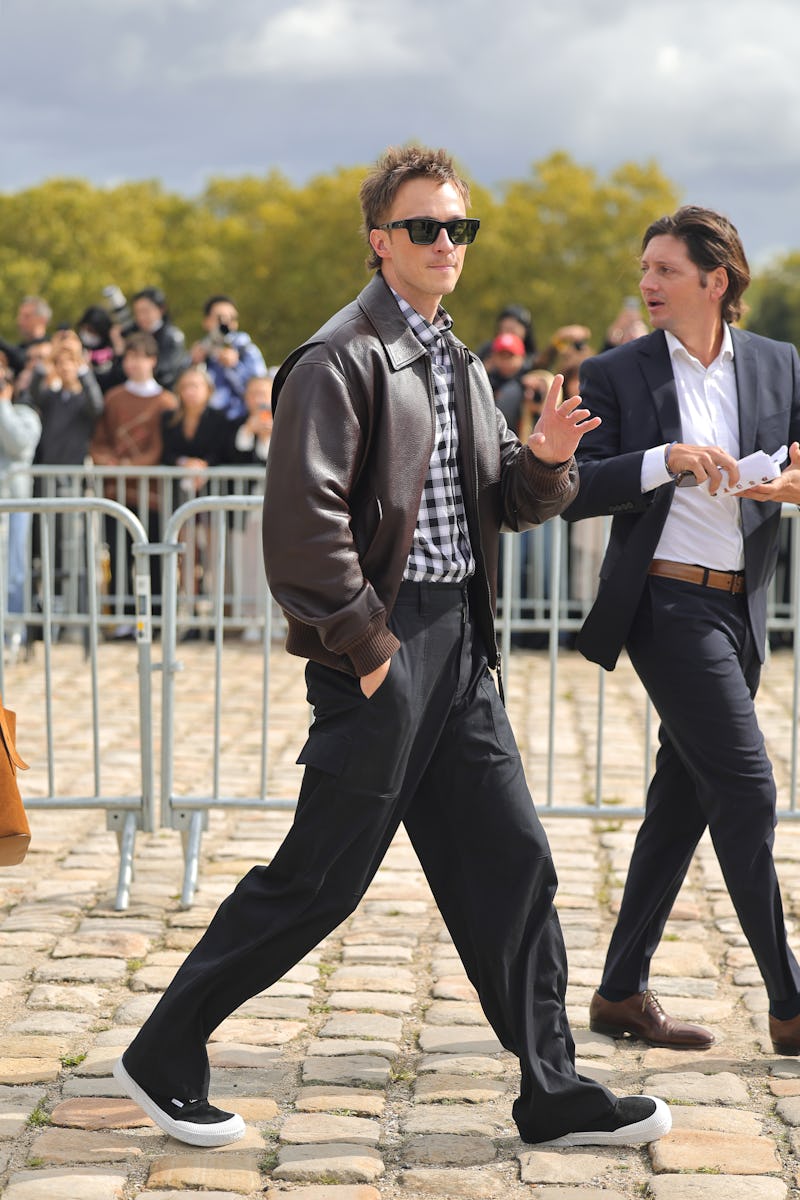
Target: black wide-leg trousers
(431,748)
(693,650)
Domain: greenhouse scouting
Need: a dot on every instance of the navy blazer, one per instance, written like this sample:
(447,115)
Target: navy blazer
(633,390)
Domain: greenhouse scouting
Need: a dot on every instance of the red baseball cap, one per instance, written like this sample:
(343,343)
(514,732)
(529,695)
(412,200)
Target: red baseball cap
(508,343)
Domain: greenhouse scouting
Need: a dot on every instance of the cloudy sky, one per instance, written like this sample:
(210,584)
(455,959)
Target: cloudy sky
(184,89)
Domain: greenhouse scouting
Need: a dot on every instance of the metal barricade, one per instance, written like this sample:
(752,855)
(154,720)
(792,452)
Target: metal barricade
(189,813)
(224,608)
(125,813)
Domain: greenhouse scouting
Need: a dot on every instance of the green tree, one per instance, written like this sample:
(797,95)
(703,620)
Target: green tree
(774,301)
(565,243)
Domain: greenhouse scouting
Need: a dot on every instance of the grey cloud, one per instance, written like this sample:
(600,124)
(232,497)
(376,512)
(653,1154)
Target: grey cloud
(184,89)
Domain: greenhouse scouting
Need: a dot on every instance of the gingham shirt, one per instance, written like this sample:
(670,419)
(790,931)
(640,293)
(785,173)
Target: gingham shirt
(440,551)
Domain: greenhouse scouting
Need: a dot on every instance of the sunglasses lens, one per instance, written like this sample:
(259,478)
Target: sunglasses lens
(463,232)
(423,232)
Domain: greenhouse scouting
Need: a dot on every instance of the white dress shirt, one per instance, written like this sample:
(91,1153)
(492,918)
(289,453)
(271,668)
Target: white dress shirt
(701,528)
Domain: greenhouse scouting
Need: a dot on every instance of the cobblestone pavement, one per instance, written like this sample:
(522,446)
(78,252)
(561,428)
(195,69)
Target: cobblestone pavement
(368,1072)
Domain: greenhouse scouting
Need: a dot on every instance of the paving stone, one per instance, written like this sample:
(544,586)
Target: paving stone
(463,1119)
(461,1064)
(487,1183)
(363,1025)
(29,1070)
(337,1162)
(377,954)
(152,979)
(327,1098)
(57,1147)
(254,1109)
(136,1010)
(34,1046)
(57,1022)
(726,1120)
(385,1002)
(180,1194)
(578,1193)
(453,987)
(716,1187)
(81,970)
(99,1113)
(593,1045)
(72,1183)
(789,1110)
(691,1086)
(308,1128)
(331,1191)
(728,1153)
(238,1054)
(103,945)
(228,1172)
(443,1149)
(350,1046)
(372,979)
(550,1166)
(258,1032)
(455,1012)
(439,1088)
(459,1039)
(357,1069)
(281,1008)
(704,1062)
(100,1060)
(784,1087)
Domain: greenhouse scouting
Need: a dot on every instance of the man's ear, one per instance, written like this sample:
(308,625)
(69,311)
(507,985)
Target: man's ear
(719,283)
(379,240)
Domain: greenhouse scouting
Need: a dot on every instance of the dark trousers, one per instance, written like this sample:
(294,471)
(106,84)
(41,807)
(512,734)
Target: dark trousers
(693,650)
(432,748)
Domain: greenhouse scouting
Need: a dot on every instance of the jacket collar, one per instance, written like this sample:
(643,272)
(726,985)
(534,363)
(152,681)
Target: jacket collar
(400,343)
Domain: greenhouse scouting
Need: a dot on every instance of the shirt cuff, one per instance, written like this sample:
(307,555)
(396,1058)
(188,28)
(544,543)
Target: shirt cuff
(654,471)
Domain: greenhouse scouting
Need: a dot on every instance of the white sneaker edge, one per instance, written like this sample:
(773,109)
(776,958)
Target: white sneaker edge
(656,1126)
(184,1131)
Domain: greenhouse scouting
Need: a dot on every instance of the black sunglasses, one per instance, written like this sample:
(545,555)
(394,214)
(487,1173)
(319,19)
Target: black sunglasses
(423,231)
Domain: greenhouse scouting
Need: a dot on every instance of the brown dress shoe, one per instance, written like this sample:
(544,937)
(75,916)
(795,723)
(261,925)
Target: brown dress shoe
(642,1016)
(785,1035)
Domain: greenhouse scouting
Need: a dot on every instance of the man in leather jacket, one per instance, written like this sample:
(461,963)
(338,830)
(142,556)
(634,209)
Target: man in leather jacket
(390,476)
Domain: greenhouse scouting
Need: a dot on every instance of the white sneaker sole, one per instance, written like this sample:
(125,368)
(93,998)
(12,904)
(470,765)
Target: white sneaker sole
(657,1125)
(185,1131)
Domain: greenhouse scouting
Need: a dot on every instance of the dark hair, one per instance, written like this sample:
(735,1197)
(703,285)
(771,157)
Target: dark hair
(711,241)
(142,343)
(212,300)
(397,166)
(154,294)
(518,313)
(96,319)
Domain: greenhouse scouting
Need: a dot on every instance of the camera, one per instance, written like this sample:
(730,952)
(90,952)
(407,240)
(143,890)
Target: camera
(117,304)
(216,338)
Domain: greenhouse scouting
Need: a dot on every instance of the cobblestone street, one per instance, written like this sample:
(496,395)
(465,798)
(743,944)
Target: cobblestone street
(368,1072)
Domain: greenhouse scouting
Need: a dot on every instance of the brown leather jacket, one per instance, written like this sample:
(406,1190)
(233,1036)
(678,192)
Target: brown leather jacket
(349,453)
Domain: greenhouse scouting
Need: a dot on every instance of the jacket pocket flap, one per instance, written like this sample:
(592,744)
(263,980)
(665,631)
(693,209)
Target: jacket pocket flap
(326,751)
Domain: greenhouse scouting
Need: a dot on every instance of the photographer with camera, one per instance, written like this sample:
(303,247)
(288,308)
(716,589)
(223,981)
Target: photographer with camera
(231,357)
(148,310)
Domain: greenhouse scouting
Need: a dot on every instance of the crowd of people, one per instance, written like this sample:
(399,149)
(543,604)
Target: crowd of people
(122,388)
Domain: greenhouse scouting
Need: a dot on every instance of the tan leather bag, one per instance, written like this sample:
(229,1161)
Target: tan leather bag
(15,832)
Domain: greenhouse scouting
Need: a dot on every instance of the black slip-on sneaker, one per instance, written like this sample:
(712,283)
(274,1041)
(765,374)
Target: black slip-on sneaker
(195,1122)
(635,1121)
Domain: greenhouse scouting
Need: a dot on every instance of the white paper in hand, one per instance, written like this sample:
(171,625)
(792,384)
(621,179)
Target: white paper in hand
(759,467)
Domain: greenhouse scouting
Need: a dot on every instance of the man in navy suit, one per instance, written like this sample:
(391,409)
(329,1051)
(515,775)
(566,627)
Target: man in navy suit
(683,588)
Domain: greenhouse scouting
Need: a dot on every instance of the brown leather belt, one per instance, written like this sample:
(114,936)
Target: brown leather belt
(726,581)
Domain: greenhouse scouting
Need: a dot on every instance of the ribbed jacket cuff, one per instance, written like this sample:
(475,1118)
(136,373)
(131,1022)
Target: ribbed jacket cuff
(374,648)
(548,482)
